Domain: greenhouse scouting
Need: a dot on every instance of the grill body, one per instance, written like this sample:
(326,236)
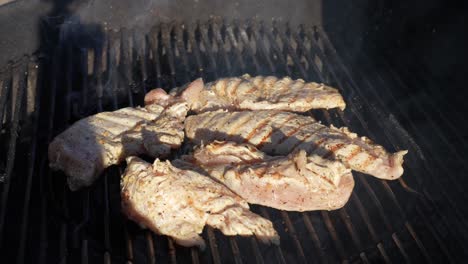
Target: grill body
(417,218)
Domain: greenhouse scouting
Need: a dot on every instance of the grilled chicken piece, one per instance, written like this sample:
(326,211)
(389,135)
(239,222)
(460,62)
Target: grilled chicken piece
(294,182)
(282,133)
(94,143)
(255,93)
(180,202)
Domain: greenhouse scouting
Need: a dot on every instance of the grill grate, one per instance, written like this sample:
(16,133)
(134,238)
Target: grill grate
(420,217)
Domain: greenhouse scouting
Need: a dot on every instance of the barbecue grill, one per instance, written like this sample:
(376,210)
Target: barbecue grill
(89,69)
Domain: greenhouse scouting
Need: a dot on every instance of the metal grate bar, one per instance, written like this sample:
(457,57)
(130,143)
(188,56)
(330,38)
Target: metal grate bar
(126,62)
(194,254)
(150,247)
(245,39)
(292,232)
(402,182)
(278,251)
(235,46)
(221,45)
(32,85)
(166,38)
(417,132)
(179,39)
(142,55)
(203,29)
(336,240)
(4,95)
(420,135)
(195,50)
(315,238)
(256,249)
(20,85)
(127,237)
(235,250)
(437,237)
(84,252)
(213,245)
(256,31)
(153,38)
(43,234)
(107,245)
(440,213)
(421,76)
(351,230)
(172,251)
(427,99)
(370,227)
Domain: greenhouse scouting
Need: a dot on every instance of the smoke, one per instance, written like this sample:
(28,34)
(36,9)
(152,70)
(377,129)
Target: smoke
(144,13)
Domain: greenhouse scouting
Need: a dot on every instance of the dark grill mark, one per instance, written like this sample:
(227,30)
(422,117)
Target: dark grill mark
(233,130)
(263,140)
(207,120)
(354,153)
(260,126)
(297,129)
(307,137)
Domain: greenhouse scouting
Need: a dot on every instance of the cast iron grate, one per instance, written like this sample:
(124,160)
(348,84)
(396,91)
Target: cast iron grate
(417,218)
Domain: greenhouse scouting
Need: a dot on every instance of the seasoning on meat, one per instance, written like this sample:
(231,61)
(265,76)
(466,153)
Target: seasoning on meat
(282,133)
(179,202)
(94,143)
(293,183)
(256,93)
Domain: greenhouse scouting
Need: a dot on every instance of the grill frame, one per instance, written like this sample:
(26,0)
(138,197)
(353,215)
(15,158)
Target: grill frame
(334,236)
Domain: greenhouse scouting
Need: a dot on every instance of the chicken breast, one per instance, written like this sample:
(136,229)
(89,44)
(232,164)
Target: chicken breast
(282,133)
(179,202)
(256,93)
(94,143)
(296,182)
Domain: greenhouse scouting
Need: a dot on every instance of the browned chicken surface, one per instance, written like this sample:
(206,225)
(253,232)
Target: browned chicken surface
(94,143)
(255,93)
(179,202)
(282,133)
(296,182)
